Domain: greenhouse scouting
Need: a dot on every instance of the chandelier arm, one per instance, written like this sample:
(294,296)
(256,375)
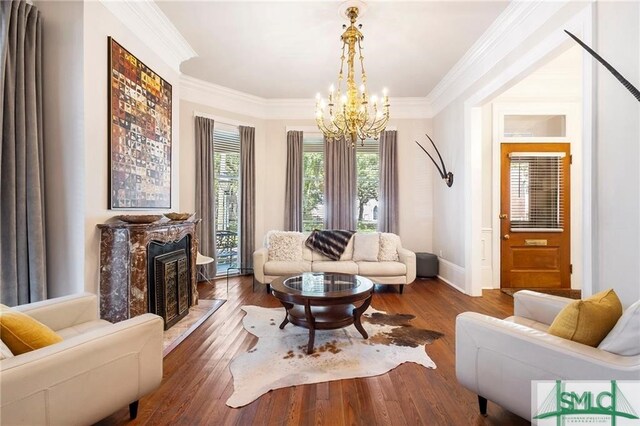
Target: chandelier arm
(325,130)
(340,74)
(364,74)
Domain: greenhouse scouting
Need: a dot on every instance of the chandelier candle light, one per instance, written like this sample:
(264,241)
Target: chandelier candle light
(352,115)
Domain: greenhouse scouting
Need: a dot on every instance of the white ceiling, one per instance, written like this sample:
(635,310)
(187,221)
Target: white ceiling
(292,49)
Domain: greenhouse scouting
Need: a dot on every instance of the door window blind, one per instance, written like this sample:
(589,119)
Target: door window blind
(536,192)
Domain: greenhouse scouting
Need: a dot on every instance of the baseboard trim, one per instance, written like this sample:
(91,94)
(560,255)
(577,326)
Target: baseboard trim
(451,274)
(450,284)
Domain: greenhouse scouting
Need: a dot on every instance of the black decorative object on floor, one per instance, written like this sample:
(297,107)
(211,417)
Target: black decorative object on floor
(426,265)
(634,91)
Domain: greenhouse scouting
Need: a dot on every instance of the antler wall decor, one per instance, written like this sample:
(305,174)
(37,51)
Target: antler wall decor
(630,87)
(446,176)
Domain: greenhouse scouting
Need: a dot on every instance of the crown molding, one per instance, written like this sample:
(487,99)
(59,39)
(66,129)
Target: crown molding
(220,97)
(147,22)
(514,25)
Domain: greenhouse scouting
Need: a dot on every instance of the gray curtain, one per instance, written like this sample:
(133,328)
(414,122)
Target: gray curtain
(388,213)
(22,212)
(205,194)
(293,191)
(247,195)
(340,185)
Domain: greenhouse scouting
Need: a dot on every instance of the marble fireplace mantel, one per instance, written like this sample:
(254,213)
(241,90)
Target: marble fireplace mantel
(123,264)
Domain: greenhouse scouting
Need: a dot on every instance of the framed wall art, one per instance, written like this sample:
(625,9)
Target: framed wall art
(139,133)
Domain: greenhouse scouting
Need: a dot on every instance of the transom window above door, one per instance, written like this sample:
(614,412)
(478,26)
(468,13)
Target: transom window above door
(535,126)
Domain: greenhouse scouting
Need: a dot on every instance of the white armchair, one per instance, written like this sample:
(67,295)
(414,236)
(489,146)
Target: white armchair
(97,369)
(497,359)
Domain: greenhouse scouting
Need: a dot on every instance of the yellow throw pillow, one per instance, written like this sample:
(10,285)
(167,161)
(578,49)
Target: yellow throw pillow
(588,321)
(21,333)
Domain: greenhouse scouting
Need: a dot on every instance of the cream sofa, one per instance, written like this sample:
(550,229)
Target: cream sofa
(97,369)
(497,359)
(400,272)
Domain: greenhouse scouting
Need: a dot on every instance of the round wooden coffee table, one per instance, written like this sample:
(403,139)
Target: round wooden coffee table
(323,301)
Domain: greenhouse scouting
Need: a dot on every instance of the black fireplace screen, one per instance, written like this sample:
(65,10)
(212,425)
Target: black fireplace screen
(169,280)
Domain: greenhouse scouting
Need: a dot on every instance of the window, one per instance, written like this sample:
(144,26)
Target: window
(312,182)
(368,183)
(536,191)
(535,126)
(226,146)
(368,186)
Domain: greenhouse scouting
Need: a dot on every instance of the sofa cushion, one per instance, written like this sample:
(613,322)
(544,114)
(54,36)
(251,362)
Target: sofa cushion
(285,246)
(588,321)
(346,255)
(82,328)
(389,244)
(22,334)
(339,266)
(381,269)
(280,268)
(366,247)
(319,257)
(624,339)
(5,352)
(348,251)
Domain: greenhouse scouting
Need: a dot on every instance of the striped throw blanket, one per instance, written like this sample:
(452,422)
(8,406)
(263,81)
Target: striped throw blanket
(330,242)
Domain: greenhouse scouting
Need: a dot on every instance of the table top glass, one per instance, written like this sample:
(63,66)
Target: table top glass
(325,284)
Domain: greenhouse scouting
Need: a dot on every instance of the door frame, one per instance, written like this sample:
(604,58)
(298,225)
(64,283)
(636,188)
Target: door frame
(573,129)
(580,23)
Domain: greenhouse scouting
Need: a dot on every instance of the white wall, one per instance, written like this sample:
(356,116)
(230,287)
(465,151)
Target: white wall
(448,203)
(62,40)
(98,24)
(415,171)
(417,179)
(617,156)
(75,110)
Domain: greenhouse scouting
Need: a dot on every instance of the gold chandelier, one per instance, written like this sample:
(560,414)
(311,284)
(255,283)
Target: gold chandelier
(352,114)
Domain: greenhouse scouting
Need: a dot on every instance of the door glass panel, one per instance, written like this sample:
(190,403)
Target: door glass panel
(536,192)
(540,126)
(227,195)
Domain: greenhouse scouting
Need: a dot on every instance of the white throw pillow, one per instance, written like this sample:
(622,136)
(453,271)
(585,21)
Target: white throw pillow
(624,339)
(389,244)
(366,247)
(5,352)
(285,246)
(348,251)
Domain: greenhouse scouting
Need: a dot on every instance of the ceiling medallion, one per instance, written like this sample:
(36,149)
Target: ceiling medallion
(352,114)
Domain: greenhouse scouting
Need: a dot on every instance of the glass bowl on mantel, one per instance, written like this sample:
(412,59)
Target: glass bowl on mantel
(140,218)
(178,216)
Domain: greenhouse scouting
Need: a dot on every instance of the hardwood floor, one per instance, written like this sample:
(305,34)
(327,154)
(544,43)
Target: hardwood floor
(197,381)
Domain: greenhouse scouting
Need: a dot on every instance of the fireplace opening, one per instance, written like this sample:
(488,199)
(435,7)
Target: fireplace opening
(169,280)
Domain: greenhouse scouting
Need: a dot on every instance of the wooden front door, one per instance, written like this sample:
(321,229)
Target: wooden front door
(535,219)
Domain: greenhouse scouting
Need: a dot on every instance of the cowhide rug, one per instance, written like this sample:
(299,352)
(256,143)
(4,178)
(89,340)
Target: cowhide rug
(279,359)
